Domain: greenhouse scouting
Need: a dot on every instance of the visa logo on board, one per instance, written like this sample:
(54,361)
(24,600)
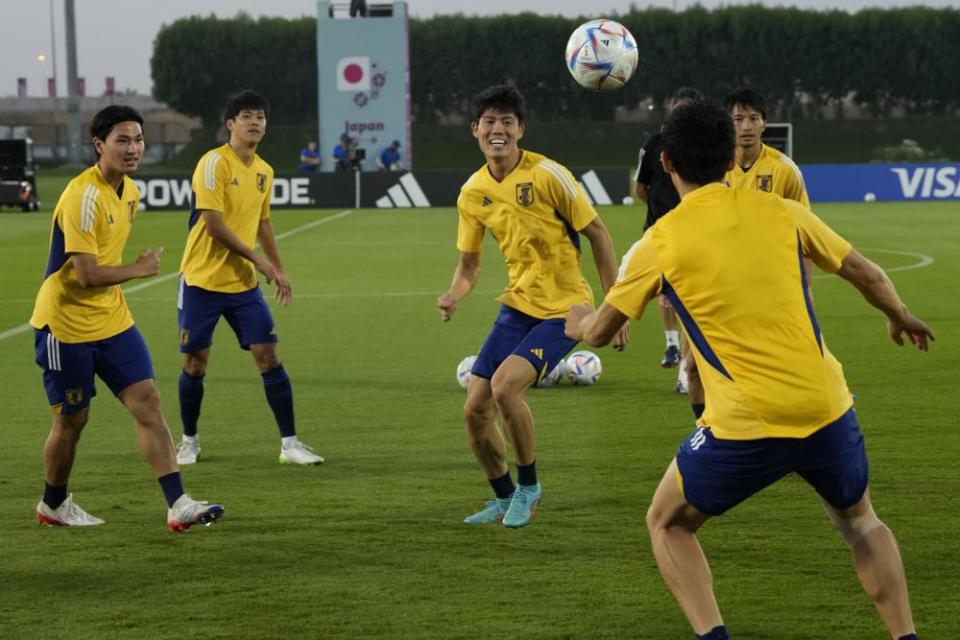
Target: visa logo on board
(928,182)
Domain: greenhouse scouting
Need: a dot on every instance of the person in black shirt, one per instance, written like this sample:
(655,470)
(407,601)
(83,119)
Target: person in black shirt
(654,188)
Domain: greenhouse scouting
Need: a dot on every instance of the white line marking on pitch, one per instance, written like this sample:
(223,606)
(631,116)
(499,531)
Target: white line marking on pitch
(923,261)
(170,276)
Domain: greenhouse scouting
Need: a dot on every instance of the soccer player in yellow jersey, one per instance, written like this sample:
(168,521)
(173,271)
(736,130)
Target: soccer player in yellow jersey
(535,210)
(230,212)
(731,263)
(757,167)
(82,326)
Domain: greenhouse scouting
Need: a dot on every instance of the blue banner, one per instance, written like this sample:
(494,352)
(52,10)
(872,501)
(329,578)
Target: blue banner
(882,182)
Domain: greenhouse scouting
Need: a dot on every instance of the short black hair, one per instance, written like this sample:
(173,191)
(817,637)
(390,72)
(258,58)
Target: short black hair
(698,139)
(107,118)
(246,99)
(503,98)
(688,94)
(746,97)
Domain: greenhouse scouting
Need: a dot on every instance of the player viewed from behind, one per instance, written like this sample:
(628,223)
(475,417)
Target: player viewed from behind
(655,188)
(82,325)
(757,167)
(535,211)
(231,212)
(777,402)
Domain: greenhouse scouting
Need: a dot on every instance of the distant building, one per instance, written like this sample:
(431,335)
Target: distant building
(44,120)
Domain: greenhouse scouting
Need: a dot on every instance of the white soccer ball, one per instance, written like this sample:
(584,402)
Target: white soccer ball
(583,367)
(869,197)
(552,378)
(601,55)
(463,370)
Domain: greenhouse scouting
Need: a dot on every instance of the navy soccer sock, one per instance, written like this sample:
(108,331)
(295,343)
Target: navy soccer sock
(279,392)
(172,486)
(502,486)
(717,633)
(527,474)
(191,396)
(53,496)
(698,409)
(909,636)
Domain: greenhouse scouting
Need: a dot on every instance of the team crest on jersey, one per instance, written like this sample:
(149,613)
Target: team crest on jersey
(525,193)
(765,183)
(74,396)
(262,182)
(184,336)
(132,208)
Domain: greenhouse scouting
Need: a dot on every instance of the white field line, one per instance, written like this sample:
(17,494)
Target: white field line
(170,276)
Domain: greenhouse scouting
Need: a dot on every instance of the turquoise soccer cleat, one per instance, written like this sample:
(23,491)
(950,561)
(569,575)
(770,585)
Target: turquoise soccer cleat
(523,506)
(492,512)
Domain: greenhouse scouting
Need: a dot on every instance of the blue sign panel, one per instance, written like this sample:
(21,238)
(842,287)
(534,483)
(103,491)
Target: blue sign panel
(881,182)
(364,86)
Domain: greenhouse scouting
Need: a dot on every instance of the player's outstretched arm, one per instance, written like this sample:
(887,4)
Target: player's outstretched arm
(603,255)
(596,328)
(879,291)
(465,276)
(268,242)
(92,274)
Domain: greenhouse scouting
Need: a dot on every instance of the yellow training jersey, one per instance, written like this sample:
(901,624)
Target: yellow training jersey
(730,261)
(534,214)
(89,218)
(222,182)
(773,172)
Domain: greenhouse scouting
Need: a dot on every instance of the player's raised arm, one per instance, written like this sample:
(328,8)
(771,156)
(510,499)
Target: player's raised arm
(92,274)
(878,290)
(465,277)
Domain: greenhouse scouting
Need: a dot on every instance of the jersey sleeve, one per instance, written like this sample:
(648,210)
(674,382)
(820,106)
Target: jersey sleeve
(819,242)
(79,219)
(794,187)
(210,182)
(566,195)
(638,281)
(469,229)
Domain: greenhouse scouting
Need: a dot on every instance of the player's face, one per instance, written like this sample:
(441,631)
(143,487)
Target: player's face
(748,124)
(498,133)
(122,151)
(249,126)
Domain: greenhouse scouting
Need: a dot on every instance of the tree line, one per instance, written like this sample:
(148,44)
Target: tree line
(801,60)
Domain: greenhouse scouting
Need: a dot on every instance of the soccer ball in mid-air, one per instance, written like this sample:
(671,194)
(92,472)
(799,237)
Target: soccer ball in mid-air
(552,378)
(463,370)
(583,367)
(601,55)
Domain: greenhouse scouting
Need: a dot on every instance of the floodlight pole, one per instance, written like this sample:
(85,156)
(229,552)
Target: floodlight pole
(73,101)
(53,49)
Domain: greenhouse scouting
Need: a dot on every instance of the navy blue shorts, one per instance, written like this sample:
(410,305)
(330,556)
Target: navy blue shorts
(541,342)
(69,369)
(199,310)
(718,474)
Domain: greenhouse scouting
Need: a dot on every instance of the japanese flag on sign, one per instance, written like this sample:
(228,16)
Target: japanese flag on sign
(353,74)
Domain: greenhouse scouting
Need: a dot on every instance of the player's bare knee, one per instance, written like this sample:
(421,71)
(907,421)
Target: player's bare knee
(853,529)
(477,415)
(195,364)
(72,422)
(690,367)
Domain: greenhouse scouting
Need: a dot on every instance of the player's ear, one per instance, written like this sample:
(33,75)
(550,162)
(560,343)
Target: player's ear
(730,164)
(474,125)
(667,164)
(520,129)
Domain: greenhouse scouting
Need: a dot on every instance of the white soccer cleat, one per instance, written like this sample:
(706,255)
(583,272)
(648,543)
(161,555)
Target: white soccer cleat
(187,512)
(299,453)
(187,451)
(67,514)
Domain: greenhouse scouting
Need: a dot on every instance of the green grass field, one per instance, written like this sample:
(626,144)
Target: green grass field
(371,545)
